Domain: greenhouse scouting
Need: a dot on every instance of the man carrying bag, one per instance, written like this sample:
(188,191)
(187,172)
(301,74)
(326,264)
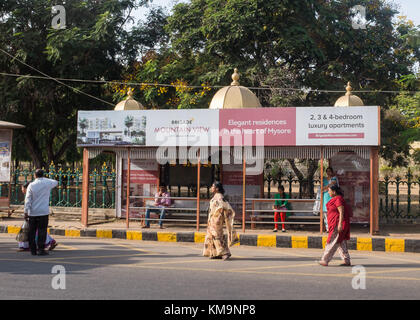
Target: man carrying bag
(37,210)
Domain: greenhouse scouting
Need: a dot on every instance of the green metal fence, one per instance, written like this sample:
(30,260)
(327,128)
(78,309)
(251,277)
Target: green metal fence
(69,190)
(400,198)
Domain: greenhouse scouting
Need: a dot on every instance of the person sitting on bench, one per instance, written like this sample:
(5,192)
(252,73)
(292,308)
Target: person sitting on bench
(162,201)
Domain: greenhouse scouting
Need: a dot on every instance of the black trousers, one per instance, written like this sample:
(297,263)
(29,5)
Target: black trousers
(41,224)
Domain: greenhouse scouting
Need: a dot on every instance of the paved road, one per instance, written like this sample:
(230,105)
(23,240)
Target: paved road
(121,269)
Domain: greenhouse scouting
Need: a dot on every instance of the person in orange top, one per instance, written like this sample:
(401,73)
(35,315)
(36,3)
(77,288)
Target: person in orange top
(339,213)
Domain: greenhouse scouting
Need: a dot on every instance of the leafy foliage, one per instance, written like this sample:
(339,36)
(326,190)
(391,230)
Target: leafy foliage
(91,47)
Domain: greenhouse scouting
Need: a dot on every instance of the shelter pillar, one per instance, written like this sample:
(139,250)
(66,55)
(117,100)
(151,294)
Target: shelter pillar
(85,188)
(198,190)
(127,210)
(374,190)
(321,176)
(243,188)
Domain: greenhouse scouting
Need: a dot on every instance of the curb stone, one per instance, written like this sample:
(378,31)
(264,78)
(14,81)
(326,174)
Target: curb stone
(279,241)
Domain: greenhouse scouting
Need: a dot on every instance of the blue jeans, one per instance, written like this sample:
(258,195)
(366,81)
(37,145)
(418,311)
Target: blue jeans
(160,210)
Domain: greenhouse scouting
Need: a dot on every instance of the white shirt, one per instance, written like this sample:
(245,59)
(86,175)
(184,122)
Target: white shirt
(38,197)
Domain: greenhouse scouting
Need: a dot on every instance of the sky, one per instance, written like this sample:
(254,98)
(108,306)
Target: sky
(409,8)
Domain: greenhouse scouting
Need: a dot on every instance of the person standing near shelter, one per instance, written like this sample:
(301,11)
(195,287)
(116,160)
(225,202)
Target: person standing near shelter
(162,201)
(283,205)
(37,210)
(220,211)
(339,213)
(50,243)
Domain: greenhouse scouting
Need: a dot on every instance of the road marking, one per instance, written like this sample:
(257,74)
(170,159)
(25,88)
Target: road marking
(104,233)
(364,244)
(394,245)
(72,233)
(166,236)
(154,266)
(13,229)
(392,271)
(173,262)
(300,242)
(380,256)
(130,247)
(278,267)
(50,258)
(266,241)
(199,237)
(134,235)
(393,278)
(324,241)
(61,246)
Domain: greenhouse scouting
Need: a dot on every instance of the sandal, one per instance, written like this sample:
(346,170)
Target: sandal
(345,264)
(226,257)
(322,263)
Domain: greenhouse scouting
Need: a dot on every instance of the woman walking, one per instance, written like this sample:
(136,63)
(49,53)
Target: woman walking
(220,211)
(339,214)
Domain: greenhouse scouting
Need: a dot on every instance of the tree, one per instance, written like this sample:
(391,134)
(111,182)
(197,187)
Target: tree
(401,124)
(310,44)
(314,39)
(91,47)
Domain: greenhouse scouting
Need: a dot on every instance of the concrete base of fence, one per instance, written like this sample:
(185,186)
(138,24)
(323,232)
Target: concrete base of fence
(256,240)
(73,213)
(399,221)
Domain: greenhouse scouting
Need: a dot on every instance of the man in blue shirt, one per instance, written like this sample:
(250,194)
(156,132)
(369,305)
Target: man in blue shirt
(37,209)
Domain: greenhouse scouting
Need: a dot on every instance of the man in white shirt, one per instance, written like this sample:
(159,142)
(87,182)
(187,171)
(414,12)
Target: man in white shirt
(37,210)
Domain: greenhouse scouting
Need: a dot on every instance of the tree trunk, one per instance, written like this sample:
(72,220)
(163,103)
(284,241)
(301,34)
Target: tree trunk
(306,183)
(34,150)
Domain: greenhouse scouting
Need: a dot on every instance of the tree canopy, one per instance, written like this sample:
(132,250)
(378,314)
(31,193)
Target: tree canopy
(91,47)
(310,45)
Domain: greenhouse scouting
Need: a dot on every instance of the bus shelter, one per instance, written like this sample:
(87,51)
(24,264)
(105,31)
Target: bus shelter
(236,134)
(345,135)
(6,138)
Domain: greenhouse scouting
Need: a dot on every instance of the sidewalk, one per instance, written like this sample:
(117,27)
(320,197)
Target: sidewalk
(392,238)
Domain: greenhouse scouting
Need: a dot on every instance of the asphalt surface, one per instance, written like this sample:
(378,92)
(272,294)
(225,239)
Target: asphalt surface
(122,269)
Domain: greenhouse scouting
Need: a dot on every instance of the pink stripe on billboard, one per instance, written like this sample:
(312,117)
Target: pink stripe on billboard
(355,135)
(257,127)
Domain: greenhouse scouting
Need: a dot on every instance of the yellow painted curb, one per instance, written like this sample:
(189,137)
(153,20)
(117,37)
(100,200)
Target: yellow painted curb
(13,229)
(199,237)
(72,233)
(103,233)
(166,236)
(299,242)
(266,241)
(134,235)
(364,244)
(238,243)
(324,241)
(394,245)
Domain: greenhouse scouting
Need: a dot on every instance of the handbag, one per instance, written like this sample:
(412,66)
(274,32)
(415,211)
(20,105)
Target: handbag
(23,233)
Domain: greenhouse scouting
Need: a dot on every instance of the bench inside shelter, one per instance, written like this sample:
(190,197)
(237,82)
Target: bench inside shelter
(301,212)
(182,209)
